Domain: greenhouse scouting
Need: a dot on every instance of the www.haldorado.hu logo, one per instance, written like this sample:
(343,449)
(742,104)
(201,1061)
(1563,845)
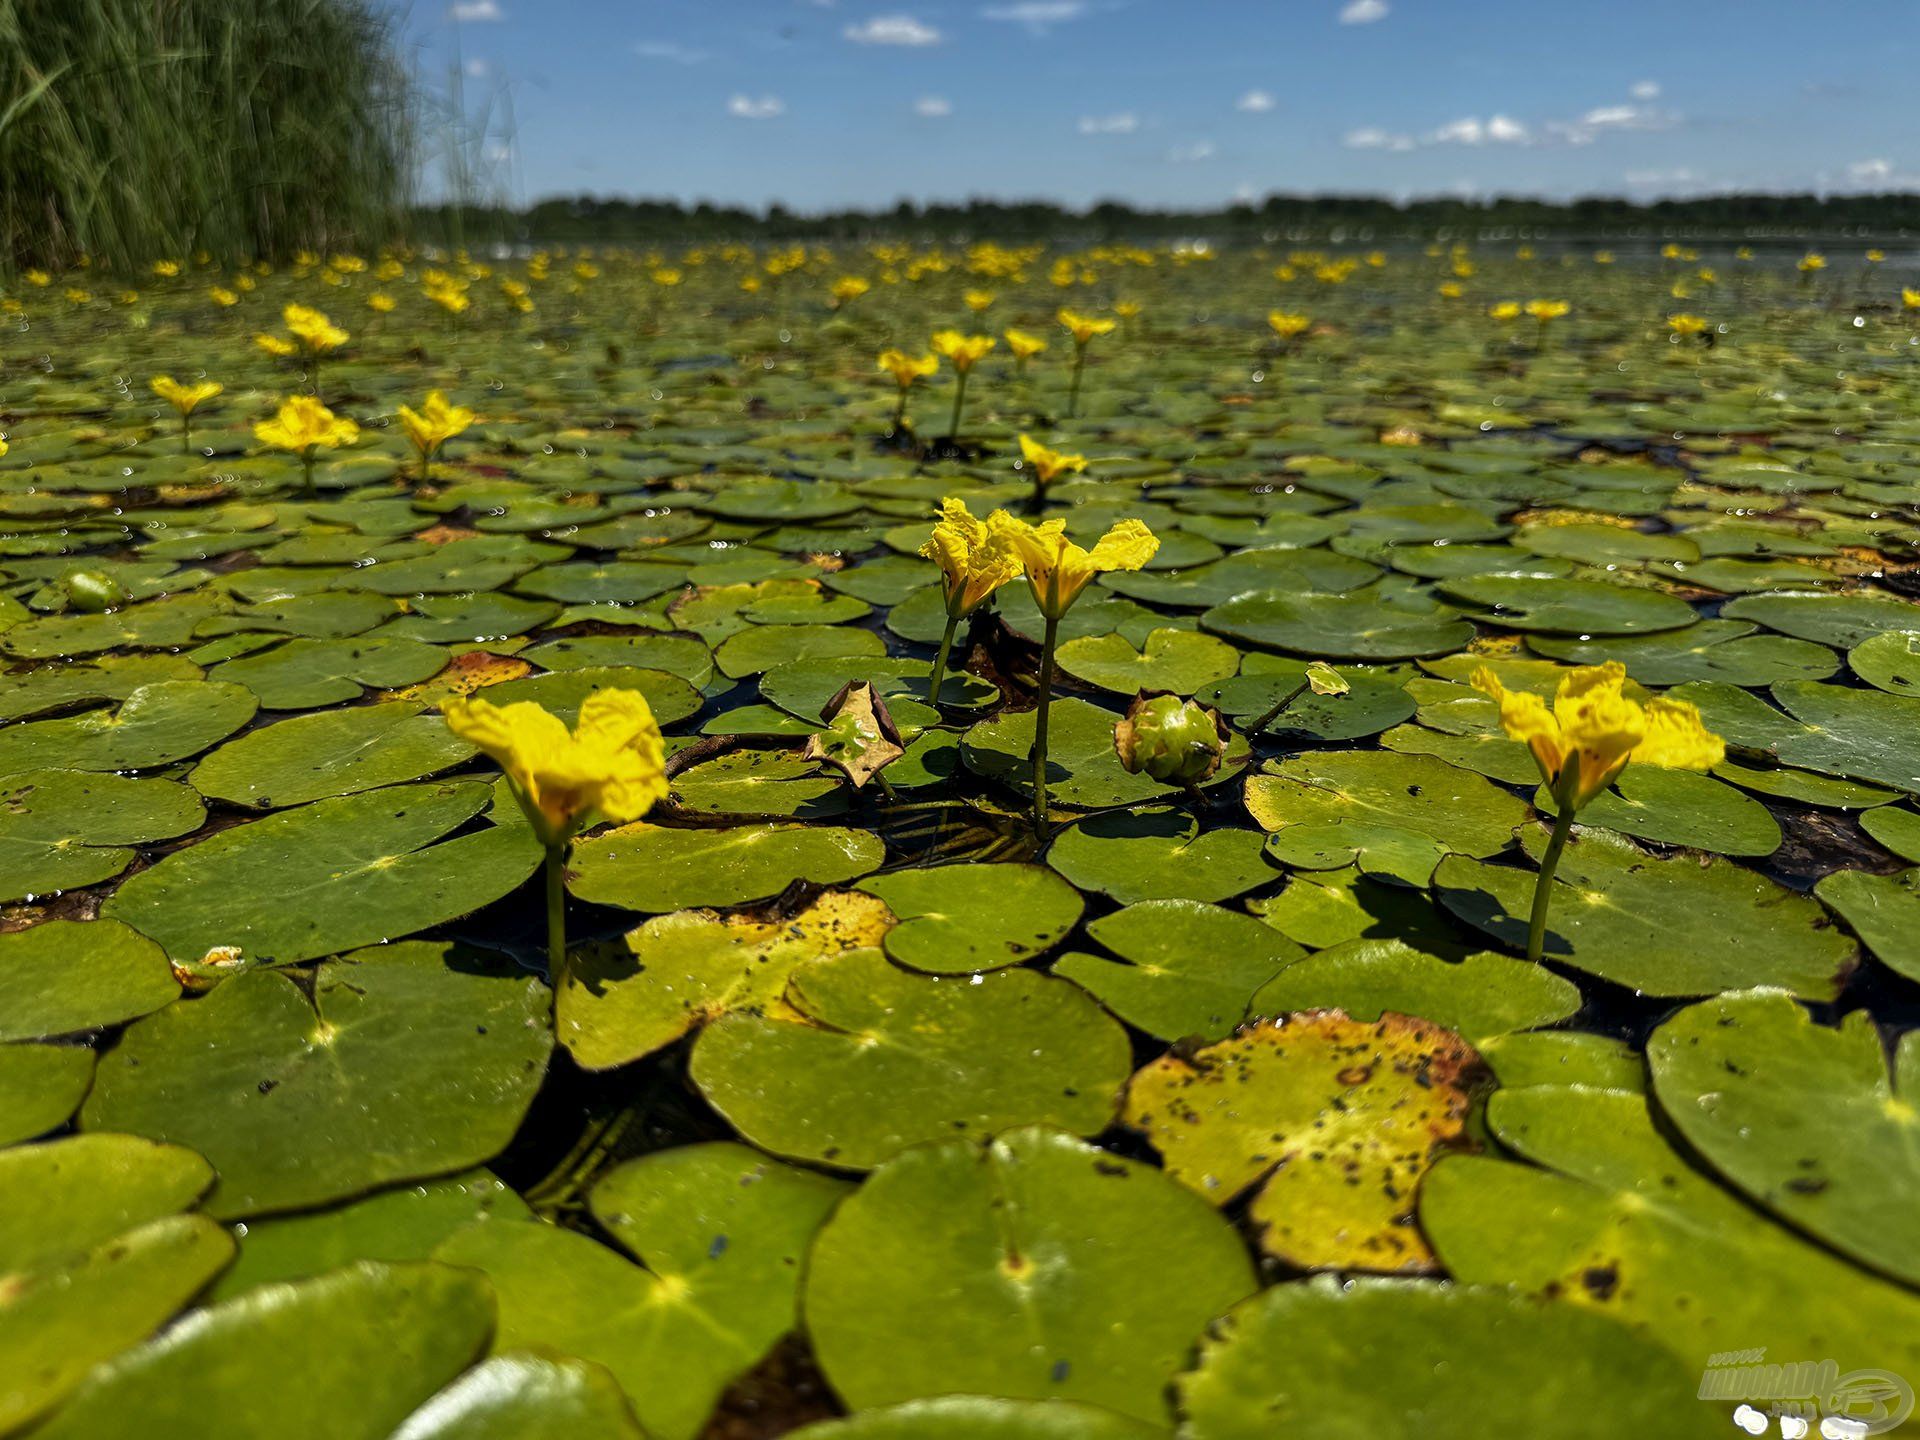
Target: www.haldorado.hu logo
(1807,1397)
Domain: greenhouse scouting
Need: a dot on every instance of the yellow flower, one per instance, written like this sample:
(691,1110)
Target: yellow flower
(1505,310)
(1910,298)
(1603,257)
(304,425)
(434,423)
(1057,569)
(1287,326)
(1047,464)
(667,277)
(1024,345)
(3,447)
(906,368)
(962,352)
(1084,327)
(978,300)
(612,764)
(849,287)
(1585,739)
(1874,257)
(1450,290)
(313,330)
(276,345)
(974,561)
(222,296)
(185,398)
(1126,309)
(1545,310)
(1811,261)
(1687,324)
(380,303)
(1745,252)
(166,269)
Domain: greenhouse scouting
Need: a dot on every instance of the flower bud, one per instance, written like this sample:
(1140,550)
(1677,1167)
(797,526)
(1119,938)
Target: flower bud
(93,592)
(1175,741)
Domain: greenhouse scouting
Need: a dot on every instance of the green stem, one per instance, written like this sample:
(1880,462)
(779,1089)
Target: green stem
(1543,887)
(306,463)
(557,916)
(1040,732)
(1073,390)
(886,787)
(186,435)
(959,399)
(940,661)
(900,411)
(1267,719)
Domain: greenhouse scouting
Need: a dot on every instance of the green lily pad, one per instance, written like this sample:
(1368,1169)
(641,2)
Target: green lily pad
(1564,1057)
(1895,828)
(1372,702)
(1034,1240)
(981,1417)
(1842,621)
(1615,1221)
(1356,1361)
(334,752)
(1180,661)
(1726,651)
(864,1059)
(154,725)
(1189,968)
(1855,734)
(762,647)
(66,829)
(299,1100)
(1568,607)
(1082,769)
(1887,661)
(1336,627)
(395,1335)
(1663,927)
(670,697)
(1802,1118)
(656,869)
(405,1223)
(958,919)
(1322,908)
(65,1197)
(1300,1107)
(331,875)
(1479,996)
(58,1324)
(527,1396)
(1160,855)
(623,999)
(66,686)
(1394,815)
(1677,807)
(65,976)
(40,1088)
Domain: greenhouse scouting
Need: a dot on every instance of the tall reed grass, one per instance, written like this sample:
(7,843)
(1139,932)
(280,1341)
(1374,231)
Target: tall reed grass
(137,129)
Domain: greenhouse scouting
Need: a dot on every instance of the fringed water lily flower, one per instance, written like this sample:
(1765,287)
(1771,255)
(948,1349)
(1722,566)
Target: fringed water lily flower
(962,352)
(1084,329)
(1024,347)
(1046,466)
(906,369)
(1582,741)
(432,425)
(303,426)
(185,399)
(610,766)
(1057,571)
(1288,326)
(974,562)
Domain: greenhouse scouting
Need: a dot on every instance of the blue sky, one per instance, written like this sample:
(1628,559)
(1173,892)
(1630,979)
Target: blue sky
(827,103)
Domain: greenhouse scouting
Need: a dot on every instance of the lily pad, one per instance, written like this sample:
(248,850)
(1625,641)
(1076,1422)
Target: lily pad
(65,976)
(298,1099)
(1568,607)
(982,1417)
(1160,855)
(1180,661)
(864,1059)
(1033,1239)
(1677,807)
(656,869)
(1662,927)
(958,919)
(1802,1118)
(1082,769)
(527,1396)
(154,725)
(40,1088)
(65,829)
(65,1197)
(1336,627)
(1336,1120)
(1725,651)
(335,752)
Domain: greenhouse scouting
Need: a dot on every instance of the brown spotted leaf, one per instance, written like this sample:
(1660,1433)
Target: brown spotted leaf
(1335,1119)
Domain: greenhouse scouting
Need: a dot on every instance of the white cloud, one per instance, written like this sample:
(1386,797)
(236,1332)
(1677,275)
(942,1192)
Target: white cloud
(1863,172)
(766,107)
(1605,118)
(1372,137)
(670,50)
(892,30)
(1645,90)
(1037,15)
(1192,154)
(1124,123)
(1255,102)
(1363,12)
(933,107)
(477,68)
(477,10)
(1654,179)
(1459,132)
(1503,130)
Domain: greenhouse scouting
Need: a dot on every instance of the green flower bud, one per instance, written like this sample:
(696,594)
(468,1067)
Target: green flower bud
(1173,740)
(93,591)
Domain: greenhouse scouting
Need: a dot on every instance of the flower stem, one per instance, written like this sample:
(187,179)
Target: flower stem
(1073,391)
(900,411)
(1040,732)
(557,916)
(186,435)
(959,399)
(1543,887)
(306,463)
(940,662)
